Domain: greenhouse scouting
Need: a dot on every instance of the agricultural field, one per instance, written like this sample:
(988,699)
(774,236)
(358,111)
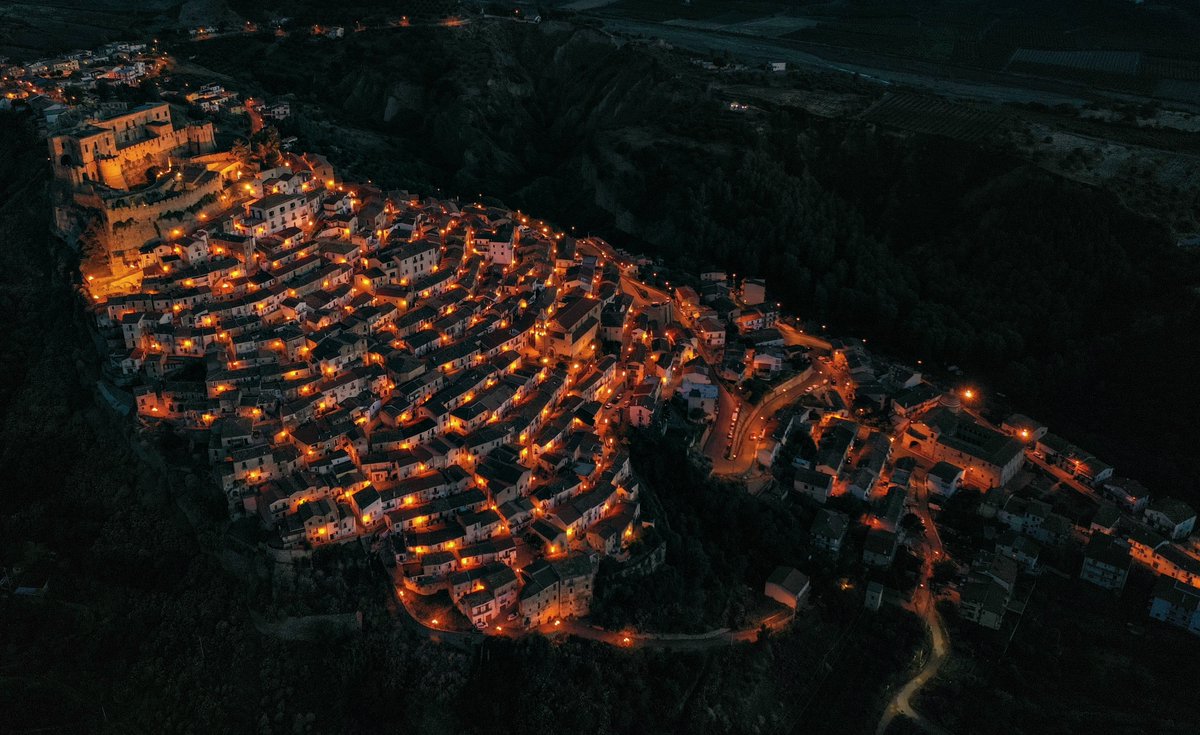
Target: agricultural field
(820,102)
(718,12)
(33,29)
(1165,68)
(1088,37)
(895,35)
(774,26)
(1126,63)
(934,116)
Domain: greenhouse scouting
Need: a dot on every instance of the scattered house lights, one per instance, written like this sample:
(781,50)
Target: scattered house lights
(368,345)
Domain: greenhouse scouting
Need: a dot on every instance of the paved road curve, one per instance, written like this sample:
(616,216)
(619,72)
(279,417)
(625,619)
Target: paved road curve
(719,638)
(752,419)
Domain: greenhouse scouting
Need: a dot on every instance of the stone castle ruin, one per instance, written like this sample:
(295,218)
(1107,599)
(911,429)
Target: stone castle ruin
(119,179)
(118,151)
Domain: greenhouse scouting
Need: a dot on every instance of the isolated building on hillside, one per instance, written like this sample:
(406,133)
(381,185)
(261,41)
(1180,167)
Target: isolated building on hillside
(787,586)
(1176,603)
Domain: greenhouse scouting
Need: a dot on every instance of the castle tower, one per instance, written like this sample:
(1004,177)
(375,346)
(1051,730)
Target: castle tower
(111,173)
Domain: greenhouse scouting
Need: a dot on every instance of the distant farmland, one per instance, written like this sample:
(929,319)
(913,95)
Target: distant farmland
(1117,63)
(934,116)
(29,30)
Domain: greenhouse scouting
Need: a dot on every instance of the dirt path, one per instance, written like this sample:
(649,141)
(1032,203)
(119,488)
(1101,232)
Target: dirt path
(720,638)
(939,640)
(902,702)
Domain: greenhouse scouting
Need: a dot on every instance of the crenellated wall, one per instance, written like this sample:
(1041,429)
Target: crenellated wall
(104,200)
(117,151)
(128,228)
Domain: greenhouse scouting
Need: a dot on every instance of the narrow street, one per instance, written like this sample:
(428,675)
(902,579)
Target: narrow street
(752,420)
(722,426)
(1063,477)
(729,455)
(256,121)
(793,336)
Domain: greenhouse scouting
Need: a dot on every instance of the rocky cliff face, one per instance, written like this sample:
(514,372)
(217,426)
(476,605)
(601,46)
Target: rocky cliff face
(193,13)
(536,112)
(565,118)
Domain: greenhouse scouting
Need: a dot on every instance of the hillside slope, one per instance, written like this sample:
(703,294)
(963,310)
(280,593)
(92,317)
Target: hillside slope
(944,251)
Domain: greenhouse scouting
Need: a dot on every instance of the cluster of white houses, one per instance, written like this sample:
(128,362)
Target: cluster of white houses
(215,99)
(427,375)
(119,62)
(40,83)
(954,448)
(445,380)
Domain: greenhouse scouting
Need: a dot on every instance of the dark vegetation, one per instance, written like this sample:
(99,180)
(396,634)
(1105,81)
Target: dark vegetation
(1102,666)
(30,30)
(721,544)
(828,676)
(367,12)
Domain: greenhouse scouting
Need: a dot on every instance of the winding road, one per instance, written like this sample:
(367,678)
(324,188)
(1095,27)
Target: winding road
(923,605)
(901,704)
(753,418)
